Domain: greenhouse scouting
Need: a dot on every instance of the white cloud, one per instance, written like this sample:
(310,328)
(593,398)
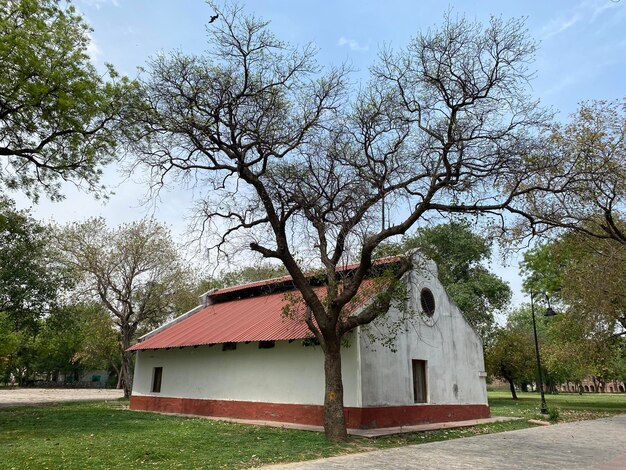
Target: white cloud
(93,50)
(602,6)
(558,25)
(587,10)
(97,4)
(352,44)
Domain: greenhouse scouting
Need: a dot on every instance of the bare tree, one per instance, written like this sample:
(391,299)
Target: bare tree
(295,163)
(134,271)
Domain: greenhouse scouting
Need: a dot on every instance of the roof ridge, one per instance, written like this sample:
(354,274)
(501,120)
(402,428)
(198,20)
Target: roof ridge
(281,279)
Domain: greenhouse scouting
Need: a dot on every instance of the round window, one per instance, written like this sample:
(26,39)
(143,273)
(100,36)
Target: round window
(428,302)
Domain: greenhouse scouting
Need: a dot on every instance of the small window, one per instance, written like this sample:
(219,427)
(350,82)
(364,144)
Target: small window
(229,346)
(427,300)
(267,344)
(157,374)
(419,381)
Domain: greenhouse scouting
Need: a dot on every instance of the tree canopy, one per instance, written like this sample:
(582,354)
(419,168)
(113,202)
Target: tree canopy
(586,275)
(585,188)
(60,120)
(134,271)
(30,279)
(510,356)
(583,277)
(75,338)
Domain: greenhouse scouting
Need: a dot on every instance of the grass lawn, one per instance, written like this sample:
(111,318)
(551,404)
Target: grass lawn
(572,407)
(107,435)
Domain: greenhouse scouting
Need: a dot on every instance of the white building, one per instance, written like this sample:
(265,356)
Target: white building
(238,356)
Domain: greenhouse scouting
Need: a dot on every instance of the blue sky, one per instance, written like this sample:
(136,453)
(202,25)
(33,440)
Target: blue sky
(581,56)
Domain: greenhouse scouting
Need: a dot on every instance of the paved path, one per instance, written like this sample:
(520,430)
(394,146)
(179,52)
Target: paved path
(38,396)
(598,444)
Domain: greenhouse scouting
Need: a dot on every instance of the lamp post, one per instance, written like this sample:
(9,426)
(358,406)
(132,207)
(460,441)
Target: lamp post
(543,409)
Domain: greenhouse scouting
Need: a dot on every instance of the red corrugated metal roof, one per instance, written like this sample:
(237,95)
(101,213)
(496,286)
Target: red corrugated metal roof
(259,318)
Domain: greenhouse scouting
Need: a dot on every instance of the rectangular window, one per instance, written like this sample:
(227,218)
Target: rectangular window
(156,379)
(266,344)
(419,381)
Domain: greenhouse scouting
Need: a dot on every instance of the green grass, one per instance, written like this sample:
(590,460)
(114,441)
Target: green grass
(572,407)
(107,435)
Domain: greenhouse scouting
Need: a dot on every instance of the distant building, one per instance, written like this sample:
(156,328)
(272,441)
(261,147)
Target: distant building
(239,356)
(586,385)
(590,385)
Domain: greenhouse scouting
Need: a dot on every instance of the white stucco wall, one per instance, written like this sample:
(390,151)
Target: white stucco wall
(452,349)
(287,373)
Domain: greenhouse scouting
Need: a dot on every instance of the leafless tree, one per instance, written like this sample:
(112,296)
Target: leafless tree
(292,159)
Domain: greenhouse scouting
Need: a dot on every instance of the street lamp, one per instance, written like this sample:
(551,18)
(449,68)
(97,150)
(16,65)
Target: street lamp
(549,313)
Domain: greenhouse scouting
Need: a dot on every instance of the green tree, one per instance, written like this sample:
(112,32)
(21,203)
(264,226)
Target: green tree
(510,356)
(100,346)
(31,283)
(511,353)
(297,167)
(74,338)
(57,343)
(134,271)
(461,256)
(59,119)
(585,274)
(30,279)
(10,340)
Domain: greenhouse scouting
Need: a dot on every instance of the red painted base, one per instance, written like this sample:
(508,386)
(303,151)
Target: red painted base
(356,418)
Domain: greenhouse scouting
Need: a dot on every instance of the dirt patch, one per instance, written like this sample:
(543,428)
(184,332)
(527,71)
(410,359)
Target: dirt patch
(37,396)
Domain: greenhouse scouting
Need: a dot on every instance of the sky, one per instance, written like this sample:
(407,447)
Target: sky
(581,56)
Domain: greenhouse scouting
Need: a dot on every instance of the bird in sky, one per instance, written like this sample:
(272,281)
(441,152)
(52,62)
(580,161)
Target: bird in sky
(213,18)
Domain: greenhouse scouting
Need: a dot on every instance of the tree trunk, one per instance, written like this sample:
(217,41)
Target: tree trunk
(512,387)
(126,375)
(334,418)
(118,373)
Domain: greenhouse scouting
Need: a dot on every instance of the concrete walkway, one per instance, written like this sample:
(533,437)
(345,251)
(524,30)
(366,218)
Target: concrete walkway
(38,396)
(598,444)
